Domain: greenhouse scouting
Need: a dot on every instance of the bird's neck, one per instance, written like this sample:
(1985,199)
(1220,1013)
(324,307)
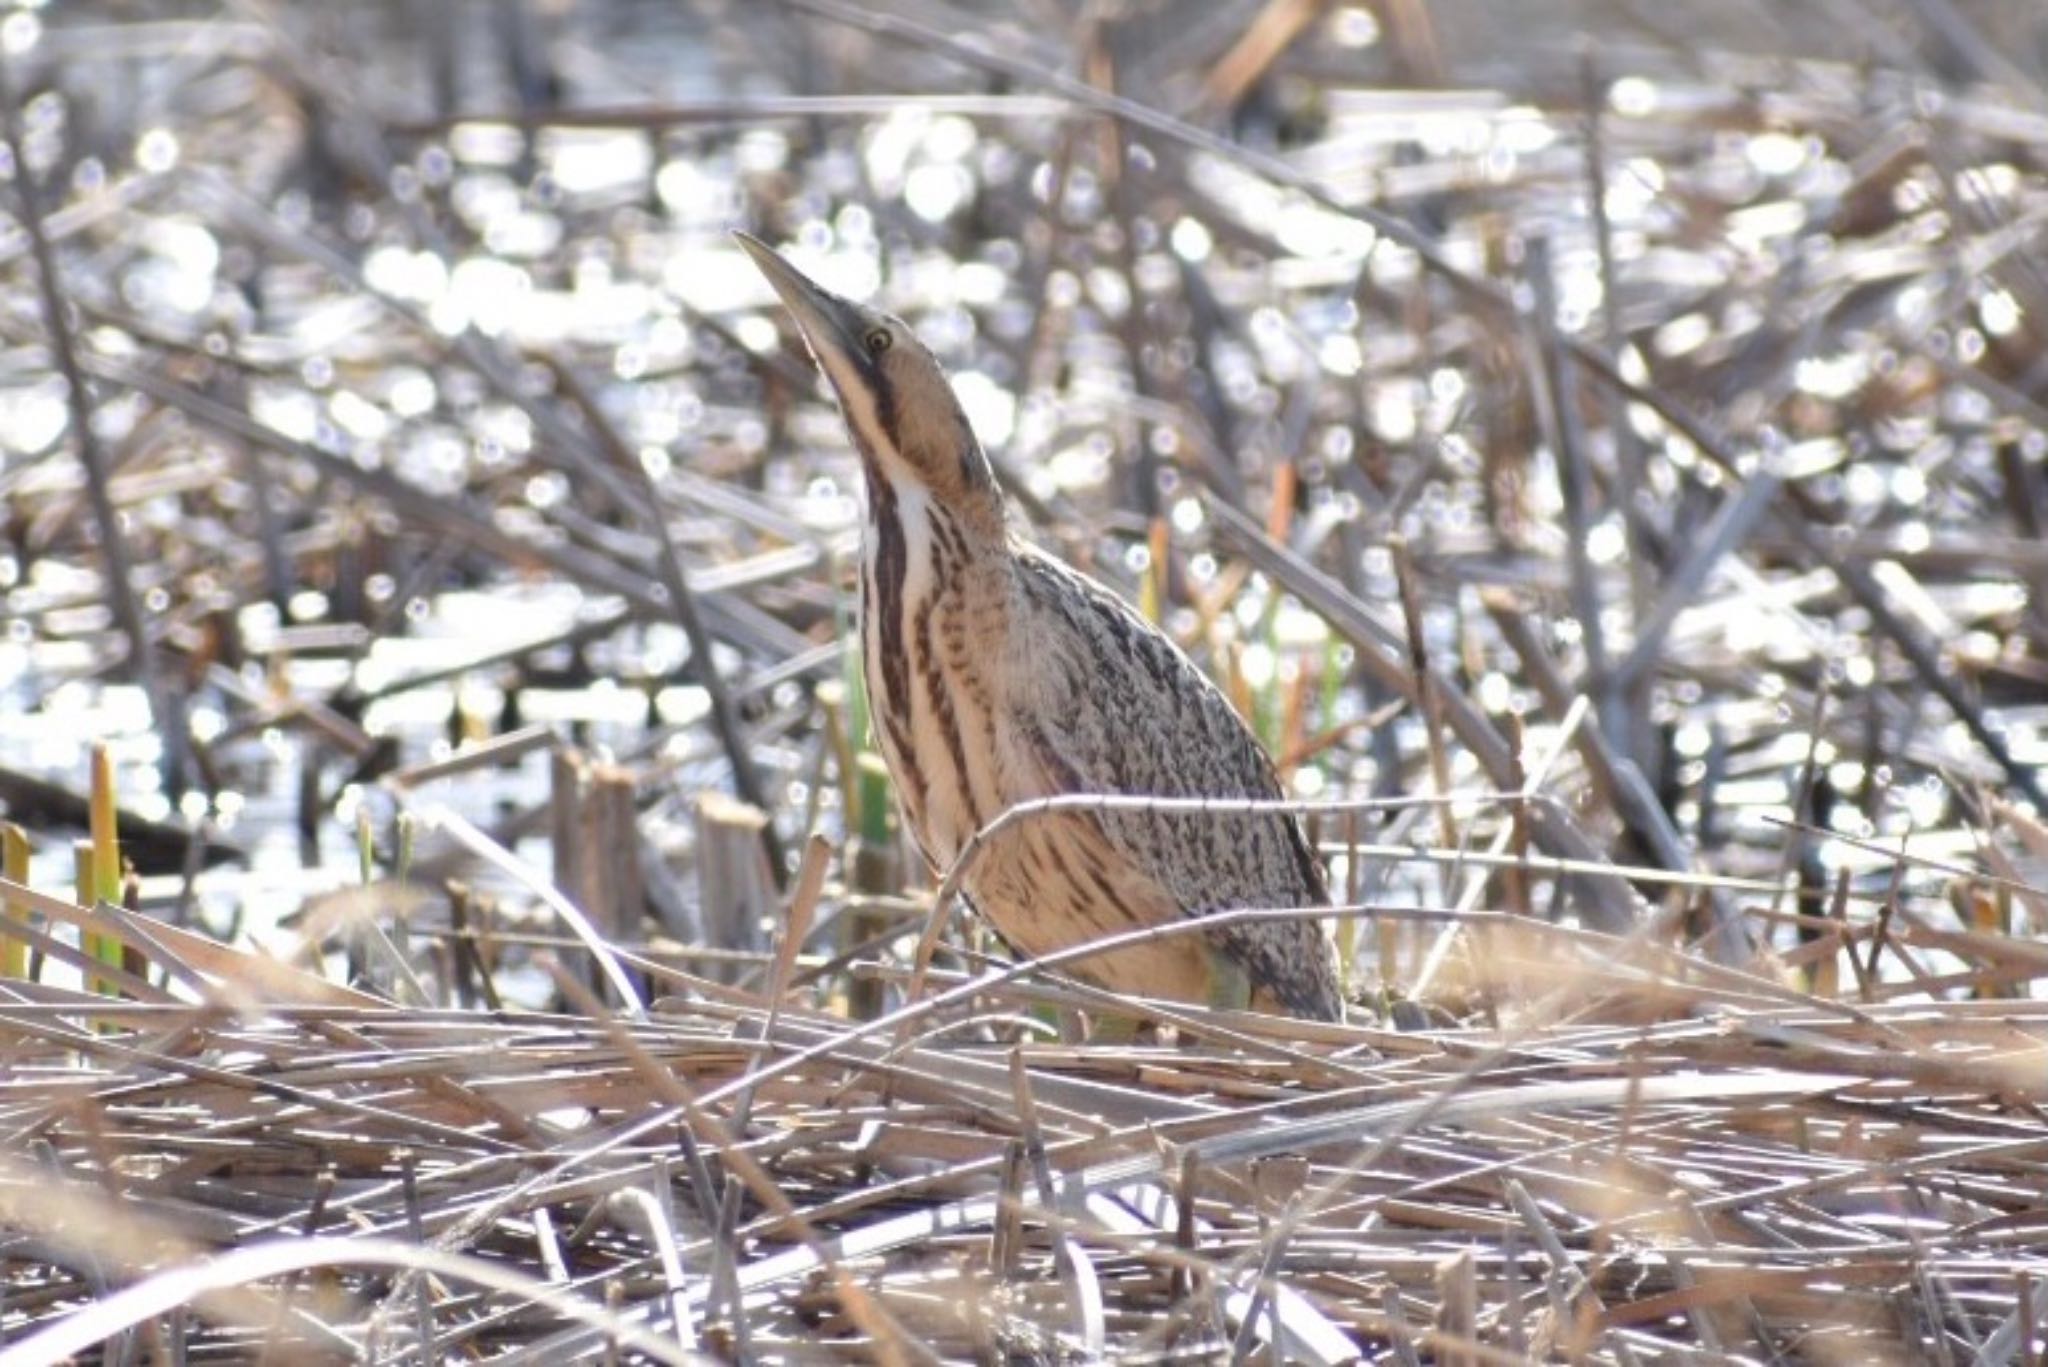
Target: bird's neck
(919,544)
(932,588)
(950,525)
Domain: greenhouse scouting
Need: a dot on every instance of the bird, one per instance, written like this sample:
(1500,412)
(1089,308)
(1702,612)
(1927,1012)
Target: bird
(998,675)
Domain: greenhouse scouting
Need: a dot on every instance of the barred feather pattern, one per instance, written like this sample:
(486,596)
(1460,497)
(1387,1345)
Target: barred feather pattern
(996,675)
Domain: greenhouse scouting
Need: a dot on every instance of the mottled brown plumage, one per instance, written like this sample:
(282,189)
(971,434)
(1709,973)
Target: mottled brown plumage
(996,675)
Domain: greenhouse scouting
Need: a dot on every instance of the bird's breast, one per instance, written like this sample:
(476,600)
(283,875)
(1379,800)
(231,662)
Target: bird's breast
(931,634)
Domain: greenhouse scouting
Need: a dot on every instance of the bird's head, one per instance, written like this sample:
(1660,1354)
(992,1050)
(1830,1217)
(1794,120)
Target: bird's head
(898,406)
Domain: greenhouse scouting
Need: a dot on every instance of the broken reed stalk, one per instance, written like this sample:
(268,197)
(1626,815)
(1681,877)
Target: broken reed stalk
(594,843)
(876,871)
(14,864)
(1426,685)
(613,888)
(100,880)
(1457,1318)
(736,895)
(889,1152)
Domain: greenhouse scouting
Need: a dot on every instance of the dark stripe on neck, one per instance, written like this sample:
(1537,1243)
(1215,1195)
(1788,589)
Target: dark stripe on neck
(946,533)
(940,699)
(883,396)
(892,559)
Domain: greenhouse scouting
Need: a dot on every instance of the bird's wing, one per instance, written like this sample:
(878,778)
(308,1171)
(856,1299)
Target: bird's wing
(1110,705)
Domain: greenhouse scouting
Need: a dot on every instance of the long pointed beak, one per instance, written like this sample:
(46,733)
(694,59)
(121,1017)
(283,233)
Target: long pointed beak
(831,324)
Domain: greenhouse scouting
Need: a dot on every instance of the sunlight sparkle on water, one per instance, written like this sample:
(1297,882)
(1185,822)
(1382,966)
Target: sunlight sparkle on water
(33,416)
(1191,241)
(189,256)
(1683,334)
(409,391)
(487,293)
(418,277)
(1522,129)
(1632,97)
(1632,188)
(1354,26)
(524,234)
(1495,692)
(1258,665)
(357,416)
(1394,412)
(692,194)
(486,144)
(936,192)
(1307,229)
(1925,802)
(990,408)
(1341,354)
(1083,465)
(587,161)
(757,333)
(156,151)
(1778,154)
(979,284)
(891,144)
(20,32)
(2000,313)
(290,412)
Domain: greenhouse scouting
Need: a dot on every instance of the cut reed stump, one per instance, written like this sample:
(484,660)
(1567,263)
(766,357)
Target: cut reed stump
(736,891)
(593,820)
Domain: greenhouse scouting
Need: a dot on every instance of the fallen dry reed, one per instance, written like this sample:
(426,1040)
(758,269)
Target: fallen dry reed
(1607,463)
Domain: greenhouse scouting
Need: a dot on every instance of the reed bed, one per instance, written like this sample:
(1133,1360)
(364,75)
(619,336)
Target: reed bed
(1604,454)
(1648,1158)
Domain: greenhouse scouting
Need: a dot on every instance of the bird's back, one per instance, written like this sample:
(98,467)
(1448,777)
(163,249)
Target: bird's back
(1114,706)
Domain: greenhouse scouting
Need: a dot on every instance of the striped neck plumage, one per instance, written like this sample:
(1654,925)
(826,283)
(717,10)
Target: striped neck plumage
(899,408)
(915,442)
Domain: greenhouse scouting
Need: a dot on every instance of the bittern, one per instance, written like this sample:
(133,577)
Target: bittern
(997,675)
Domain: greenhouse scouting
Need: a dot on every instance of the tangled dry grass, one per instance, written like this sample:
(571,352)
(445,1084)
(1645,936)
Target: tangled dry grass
(1608,469)
(1645,1156)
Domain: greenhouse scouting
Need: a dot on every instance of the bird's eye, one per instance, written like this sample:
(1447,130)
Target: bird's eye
(877,341)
